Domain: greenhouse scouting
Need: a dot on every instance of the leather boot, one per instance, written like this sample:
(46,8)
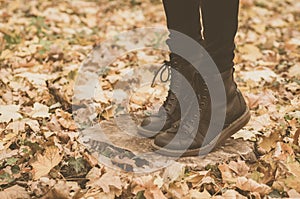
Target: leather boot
(186,137)
(169,112)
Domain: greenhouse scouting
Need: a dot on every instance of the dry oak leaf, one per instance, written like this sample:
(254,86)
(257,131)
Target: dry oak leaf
(246,184)
(177,190)
(239,167)
(14,192)
(106,181)
(9,112)
(46,162)
(146,184)
(283,151)
(268,143)
(227,174)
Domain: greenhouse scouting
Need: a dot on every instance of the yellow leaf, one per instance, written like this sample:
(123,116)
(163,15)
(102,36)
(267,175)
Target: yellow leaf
(46,162)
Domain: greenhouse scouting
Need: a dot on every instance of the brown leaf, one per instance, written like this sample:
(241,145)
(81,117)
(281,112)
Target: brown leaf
(197,194)
(146,184)
(227,174)
(250,185)
(14,192)
(292,182)
(106,181)
(239,167)
(178,190)
(268,143)
(65,120)
(59,190)
(265,98)
(283,151)
(232,194)
(46,162)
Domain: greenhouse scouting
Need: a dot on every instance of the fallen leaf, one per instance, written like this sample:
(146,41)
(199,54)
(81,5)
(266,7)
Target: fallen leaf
(65,120)
(265,74)
(268,143)
(9,112)
(146,184)
(173,173)
(232,194)
(264,98)
(14,192)
(34,78)
(59,190)
(283,151)
(195,194)
(106,181)
(40,110)
(246,135)
(250,52)
(4,154)
(227,174)
(19,126)
(46,162)
(250,185)
(292,182)
(240,167)
(293,193)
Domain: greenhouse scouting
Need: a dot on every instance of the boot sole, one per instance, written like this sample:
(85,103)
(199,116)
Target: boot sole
(215,143)
(146,133)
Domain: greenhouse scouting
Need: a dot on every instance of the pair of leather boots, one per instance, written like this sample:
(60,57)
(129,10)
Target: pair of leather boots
(191,123)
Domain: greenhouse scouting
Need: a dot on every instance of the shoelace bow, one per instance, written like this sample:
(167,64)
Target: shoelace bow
(165,67)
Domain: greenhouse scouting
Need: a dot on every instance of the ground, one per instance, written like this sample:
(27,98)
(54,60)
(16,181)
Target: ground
(43,151)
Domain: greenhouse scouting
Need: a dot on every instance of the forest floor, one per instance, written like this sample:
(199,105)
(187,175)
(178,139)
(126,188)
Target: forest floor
(43,44)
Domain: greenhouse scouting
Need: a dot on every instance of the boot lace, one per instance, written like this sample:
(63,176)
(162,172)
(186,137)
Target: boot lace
(165,67)
(170,101)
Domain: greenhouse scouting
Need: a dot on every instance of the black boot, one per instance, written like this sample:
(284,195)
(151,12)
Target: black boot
(170,111)
(186,137)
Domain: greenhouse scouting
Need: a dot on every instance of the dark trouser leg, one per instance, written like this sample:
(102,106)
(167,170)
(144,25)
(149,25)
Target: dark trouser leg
(183,16)
(220,22)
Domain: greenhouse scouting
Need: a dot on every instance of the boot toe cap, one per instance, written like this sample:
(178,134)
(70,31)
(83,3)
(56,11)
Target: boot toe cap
(153,123)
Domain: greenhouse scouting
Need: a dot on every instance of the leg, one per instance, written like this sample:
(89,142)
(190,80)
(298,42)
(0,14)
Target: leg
(184,16)
(185,138)
(220,22)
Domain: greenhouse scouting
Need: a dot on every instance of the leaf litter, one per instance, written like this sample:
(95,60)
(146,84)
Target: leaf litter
(42,45)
